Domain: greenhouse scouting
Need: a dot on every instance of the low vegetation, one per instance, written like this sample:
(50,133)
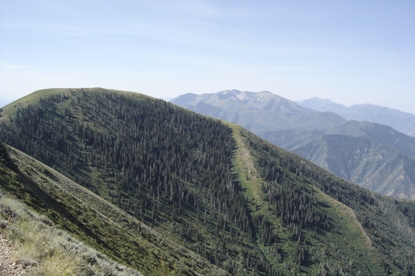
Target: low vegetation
(48,250)
(38,243)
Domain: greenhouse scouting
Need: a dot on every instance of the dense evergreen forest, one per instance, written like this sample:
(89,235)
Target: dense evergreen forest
(168,167)
(182,174)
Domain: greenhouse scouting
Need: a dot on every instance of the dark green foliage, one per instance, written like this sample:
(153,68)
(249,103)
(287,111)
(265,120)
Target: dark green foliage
(96,222)
(408,209)
(5,157)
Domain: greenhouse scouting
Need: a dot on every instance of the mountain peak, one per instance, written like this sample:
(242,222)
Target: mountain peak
(266,96)
(228,92)
(243,108)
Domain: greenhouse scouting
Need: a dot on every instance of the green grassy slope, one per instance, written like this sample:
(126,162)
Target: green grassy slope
(221,192)
(43,249)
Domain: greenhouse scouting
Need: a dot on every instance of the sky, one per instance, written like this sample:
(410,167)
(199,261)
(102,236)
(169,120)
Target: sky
(351,52)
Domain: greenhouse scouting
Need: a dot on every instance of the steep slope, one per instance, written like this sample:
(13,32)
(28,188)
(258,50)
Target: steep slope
(97,223)
(374,166)
(31,242)
(379,134)
(375,133)
(296,129)
(374,156)
(217,190)
(353,220)
(258,112)
(401,121)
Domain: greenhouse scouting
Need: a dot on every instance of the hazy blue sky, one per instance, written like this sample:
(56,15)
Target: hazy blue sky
(347,51)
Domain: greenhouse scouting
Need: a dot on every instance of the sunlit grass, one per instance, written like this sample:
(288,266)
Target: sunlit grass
(48,250)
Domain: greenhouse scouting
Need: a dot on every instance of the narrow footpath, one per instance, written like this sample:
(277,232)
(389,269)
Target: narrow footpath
(9,266)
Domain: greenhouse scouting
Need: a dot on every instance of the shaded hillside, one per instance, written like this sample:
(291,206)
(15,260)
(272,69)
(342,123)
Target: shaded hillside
(36,245)
(302,131)
(401,121)
(374,166)
(374,156)
(379,134)
(221,192)
(96,222)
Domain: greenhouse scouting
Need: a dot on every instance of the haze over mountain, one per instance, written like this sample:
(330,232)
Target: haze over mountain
(401,121)
(258,112)
(198,196)
(318,137)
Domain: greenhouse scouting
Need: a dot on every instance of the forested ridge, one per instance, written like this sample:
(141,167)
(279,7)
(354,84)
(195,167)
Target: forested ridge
(168,167)
(178,172)
(292,181)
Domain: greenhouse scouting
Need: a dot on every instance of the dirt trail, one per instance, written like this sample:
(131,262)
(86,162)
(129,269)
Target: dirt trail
(249,173)
(249,168)
(8,265)
(357,222)
(350,213)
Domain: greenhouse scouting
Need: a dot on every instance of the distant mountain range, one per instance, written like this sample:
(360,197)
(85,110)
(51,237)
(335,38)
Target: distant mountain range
(258,112)
(401,121)
(369,154)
